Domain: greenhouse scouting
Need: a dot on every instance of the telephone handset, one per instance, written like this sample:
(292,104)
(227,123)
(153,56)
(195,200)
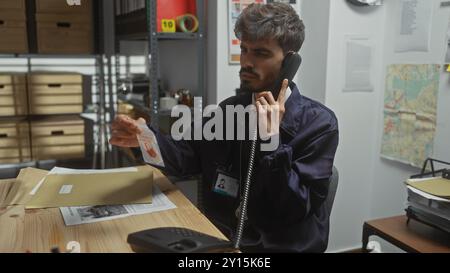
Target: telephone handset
(289,68)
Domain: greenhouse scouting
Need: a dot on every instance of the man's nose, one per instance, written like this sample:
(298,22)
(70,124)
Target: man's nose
(247,63)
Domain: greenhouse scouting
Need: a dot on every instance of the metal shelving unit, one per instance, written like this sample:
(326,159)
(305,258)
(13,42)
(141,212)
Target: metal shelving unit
(154,39)
(99,80)
(148,18)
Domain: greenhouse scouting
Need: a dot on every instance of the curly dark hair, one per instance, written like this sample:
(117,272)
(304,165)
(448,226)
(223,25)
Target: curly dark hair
(271,21)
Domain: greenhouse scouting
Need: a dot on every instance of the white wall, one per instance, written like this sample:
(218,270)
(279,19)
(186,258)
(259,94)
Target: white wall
(312,74)
(371,187)
(227,76)
(357,115)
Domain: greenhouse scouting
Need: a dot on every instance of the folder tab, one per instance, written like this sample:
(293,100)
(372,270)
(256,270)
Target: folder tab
(435,186)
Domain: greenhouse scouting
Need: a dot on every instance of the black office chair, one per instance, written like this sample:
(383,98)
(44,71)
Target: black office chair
(334,181)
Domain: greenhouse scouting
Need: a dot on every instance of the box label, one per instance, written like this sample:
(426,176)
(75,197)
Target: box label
(66,189)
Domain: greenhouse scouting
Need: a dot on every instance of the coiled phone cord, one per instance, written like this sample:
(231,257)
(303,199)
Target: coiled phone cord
(244,202)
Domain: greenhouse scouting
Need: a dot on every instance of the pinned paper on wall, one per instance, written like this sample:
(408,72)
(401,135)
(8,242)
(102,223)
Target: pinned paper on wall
(414,27)
(358,64)
(292,2)
(235,8)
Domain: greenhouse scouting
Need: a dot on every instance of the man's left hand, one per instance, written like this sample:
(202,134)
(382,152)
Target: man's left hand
(271,111)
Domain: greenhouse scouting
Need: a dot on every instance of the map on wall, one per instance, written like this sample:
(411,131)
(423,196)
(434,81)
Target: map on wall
(410,113)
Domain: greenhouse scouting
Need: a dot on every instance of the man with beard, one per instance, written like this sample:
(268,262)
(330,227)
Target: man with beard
(286,210)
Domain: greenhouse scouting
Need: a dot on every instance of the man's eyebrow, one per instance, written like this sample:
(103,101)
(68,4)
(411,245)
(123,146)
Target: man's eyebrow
(262,49)
(258,49)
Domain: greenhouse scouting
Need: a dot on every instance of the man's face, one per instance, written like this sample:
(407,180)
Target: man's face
(260,65)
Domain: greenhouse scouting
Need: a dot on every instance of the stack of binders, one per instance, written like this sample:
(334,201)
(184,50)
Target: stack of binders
(429,197)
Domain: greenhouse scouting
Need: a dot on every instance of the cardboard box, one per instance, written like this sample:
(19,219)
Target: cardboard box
(62,6)
(58,138)
(13,95)
(13,5)
(55,93)
(64,34)
(13,100)
(12,79)
(14,141)
(54,78)
(13,32)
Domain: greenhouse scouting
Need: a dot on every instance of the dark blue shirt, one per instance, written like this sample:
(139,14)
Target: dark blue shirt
(286,210)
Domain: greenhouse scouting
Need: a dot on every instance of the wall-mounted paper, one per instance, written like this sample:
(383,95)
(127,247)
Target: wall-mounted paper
(410,113)
(235,8)
(358,67)
(414,26)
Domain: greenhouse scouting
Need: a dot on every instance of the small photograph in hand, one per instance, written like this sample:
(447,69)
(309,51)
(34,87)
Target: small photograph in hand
(149,147)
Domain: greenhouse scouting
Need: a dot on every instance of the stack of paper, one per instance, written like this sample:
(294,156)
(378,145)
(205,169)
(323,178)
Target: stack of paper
(429,200)
(85,215)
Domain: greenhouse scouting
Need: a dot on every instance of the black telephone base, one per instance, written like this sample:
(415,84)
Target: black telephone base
(176,240)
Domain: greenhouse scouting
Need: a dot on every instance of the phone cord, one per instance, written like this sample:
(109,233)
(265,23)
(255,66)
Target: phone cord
(243,211)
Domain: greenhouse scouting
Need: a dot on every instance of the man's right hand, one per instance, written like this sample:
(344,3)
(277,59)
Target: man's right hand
(125,131)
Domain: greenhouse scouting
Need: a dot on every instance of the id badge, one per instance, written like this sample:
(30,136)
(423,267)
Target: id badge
(226,185)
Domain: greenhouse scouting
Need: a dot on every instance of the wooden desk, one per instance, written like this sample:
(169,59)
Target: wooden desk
(412,237)
(41,230)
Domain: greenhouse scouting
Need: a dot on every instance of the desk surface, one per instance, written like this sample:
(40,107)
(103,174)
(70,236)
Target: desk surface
(412,237)
(41,230)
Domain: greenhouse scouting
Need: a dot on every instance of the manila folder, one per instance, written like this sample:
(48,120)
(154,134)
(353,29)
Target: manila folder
(94,190)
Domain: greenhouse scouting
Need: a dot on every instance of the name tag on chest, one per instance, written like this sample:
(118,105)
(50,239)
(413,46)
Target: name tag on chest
(226,185)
